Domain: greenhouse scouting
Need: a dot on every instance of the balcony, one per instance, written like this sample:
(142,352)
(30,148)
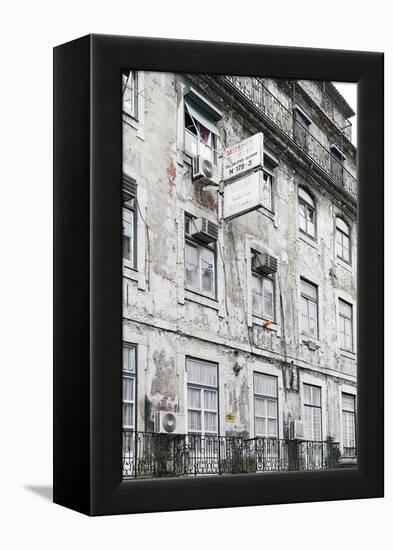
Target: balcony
(255,93)
(149,455)
(327,105)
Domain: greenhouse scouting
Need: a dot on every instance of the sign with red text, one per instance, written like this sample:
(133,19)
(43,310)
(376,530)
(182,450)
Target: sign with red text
(243,157)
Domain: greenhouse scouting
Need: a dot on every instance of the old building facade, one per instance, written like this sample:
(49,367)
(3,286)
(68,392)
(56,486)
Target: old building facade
(236,353)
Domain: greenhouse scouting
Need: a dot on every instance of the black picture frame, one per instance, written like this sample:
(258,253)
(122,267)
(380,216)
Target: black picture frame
(87,275)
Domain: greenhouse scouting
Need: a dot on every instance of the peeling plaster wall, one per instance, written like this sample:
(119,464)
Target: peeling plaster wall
(169,323)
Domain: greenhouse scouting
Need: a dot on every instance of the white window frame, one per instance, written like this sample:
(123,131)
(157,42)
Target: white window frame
(130,84)
(130,375)
(307,203)
(348,413)
(262,281)
(308,299)
(347,321)
(130,207)
(202,388)
(343,233)
(315,408)
(190,241)
(194,145)
(267,193)
(266,399)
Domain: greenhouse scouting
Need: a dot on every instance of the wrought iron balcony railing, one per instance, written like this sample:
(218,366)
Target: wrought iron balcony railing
(254,91)
(349,452)
(147,455)
(321,98)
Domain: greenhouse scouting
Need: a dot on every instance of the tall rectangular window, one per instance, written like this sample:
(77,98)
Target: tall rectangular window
(130,93)
(301,132)
(200,126)
(308,308)
(200,263)
(267,195)
(307,213)
(345,328)
(129,231)
(312,412)
(269,167)
(349,424)
(129,386)
(265,405)
(262,296)
(343,242)
(202,397)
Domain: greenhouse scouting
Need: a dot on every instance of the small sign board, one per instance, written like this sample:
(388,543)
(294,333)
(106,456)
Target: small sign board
(230,417)
(243,157)
(243,195)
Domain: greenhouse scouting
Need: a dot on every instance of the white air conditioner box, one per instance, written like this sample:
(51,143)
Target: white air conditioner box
(204,171)
(264,263)
(295,429)
(204,230)
(167,422)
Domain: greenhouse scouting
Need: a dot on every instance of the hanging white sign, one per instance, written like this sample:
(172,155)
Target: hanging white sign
(243,157)
(243,195)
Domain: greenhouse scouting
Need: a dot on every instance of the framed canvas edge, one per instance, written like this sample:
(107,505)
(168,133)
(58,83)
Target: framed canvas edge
(108,494)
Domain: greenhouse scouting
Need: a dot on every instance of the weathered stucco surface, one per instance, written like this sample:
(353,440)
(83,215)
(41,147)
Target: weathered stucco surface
(168,323)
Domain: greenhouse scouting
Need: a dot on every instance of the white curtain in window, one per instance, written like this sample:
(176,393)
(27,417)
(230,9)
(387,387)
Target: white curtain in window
(265,411)
(348,402)
(194,398)
(201,373)
(312,395)
(349,429)
(128,415)
(194,421)
(128,358)
(265,385)
(128,388)
(268,298)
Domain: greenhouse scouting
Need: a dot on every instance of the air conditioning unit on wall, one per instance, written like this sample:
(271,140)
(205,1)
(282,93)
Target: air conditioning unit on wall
(204,230)
(167,422)
(295,429)
(264,263)
(204,171)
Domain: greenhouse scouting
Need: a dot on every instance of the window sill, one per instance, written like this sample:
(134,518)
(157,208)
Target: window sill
(344,265)
(187,159)
(128,117)
(261,323)
(306,338)
(266,212)
(130,272)
(348,354)
(134,123)
(202,299)
(308,240)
